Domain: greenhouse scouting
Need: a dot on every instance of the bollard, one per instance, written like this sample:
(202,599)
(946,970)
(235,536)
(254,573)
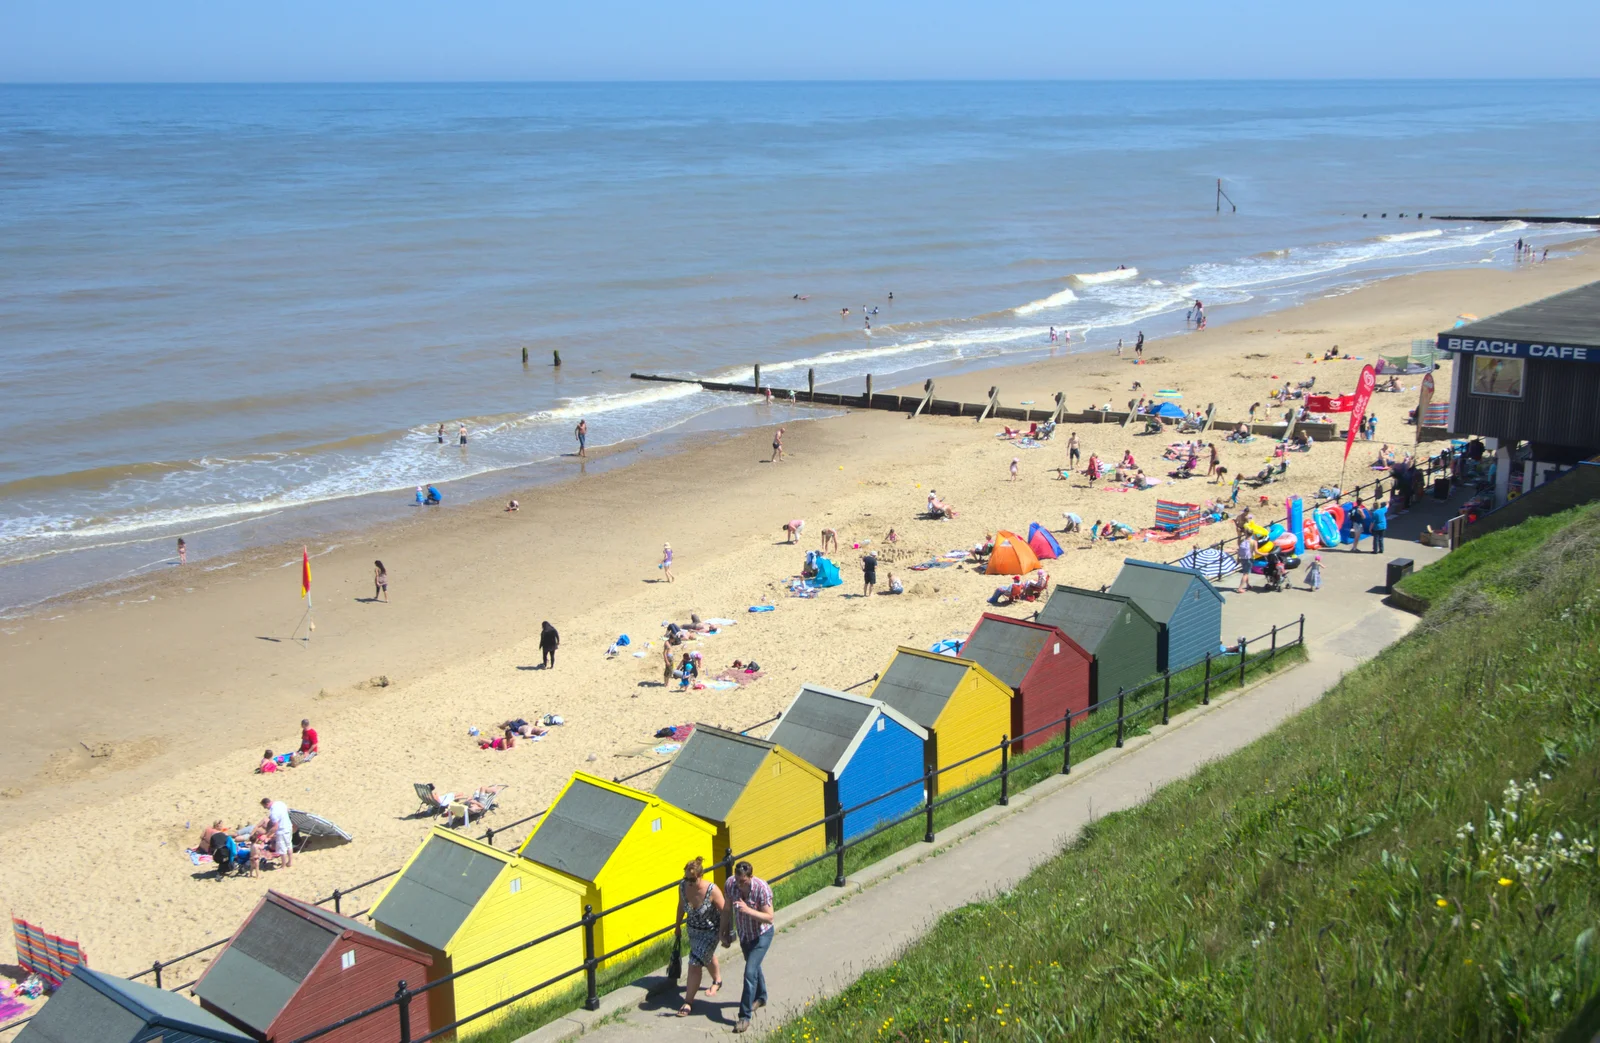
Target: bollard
(927,789)
(1205,698)
(402,1001)
(592,1002)
(1005,770)
(1119,718)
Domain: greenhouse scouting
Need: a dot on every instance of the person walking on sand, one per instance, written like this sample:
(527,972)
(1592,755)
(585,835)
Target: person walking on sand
(1014,462)
(869,573)
(380,582)
(666,663)
(1216,461)
(777,446)
(549,641)
(1138,346)
(1072,452)
(183,552)
(747,915)
(581,433)
(700,910)
(666,561)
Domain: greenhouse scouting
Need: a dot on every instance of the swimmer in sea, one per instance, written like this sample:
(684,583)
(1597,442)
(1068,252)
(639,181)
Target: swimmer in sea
(844,313)
(891,295)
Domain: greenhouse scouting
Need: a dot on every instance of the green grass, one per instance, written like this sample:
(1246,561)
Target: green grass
(1480,559)
(1323,882)
(524,1020)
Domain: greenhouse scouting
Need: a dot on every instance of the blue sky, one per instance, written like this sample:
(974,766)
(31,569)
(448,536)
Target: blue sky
(366,40)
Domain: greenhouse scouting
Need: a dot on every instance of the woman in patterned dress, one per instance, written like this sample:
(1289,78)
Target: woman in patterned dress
(700,909)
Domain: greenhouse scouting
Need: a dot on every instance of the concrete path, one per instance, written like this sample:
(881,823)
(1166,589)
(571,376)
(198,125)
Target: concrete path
(827,940)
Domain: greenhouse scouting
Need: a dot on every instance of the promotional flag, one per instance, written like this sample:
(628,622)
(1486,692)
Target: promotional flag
(1424,399)
(1358,409)
(1330,403)
(305,572)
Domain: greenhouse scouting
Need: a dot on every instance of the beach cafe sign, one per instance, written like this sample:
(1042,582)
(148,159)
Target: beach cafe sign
(1518,349)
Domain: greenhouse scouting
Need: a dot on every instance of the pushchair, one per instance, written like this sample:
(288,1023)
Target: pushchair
(1276,572)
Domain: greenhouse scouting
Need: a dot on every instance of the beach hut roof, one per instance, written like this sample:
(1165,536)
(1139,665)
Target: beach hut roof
(1086,616)
(711,771)
(1159,589)
(919,683)
(824,726)
(91,1005)
(439,889)
(1007,647)
(265,963)
(581,833)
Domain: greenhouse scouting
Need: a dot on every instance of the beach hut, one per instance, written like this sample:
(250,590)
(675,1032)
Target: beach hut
(618,844)
(1042,542)
(964,707)
(1183,601)
(91,1006)
(1113,629)
(461,901)
(292,967)
(1047,671)
(1012,556)
(752,791)
(866,747)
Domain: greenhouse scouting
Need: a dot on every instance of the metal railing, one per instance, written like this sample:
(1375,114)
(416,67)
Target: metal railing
(1430,466)
(932,800)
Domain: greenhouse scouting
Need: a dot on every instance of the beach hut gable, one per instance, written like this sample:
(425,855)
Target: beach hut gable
(1112,628)
(284,972)
(1048,672)
(437,891)
(827,728)
(583,829)
(711,771)
(1183,601)
(94,1006)
(964,707)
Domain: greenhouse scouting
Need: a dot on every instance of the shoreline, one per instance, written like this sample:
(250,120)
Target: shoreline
(185,690)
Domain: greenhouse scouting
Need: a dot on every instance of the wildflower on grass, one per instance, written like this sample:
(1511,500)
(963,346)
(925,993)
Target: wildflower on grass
(1505,881)
(1441,903)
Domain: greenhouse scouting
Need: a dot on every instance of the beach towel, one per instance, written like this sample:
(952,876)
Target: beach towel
(721,686)
(10,1008)
(50,957)
(667,748)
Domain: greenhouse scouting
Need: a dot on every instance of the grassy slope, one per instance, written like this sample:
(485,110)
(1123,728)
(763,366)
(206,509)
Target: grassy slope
(1481,558)
(1319,883)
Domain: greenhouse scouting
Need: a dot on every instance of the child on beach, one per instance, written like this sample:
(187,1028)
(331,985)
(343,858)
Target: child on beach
(380,582)
(268,764)
(183,552)
(666,561)
(1014,462)
(1314,573)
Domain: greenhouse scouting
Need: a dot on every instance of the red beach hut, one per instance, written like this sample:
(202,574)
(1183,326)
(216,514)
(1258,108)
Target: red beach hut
(1048,672)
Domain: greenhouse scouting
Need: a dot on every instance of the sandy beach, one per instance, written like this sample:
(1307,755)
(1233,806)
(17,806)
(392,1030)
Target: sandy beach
(136,716)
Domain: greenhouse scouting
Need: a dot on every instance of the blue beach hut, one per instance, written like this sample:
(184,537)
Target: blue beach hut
(866,748)
(1182,602)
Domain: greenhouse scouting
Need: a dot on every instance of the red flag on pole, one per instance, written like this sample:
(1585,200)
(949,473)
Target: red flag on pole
(1358,408)
(305,571)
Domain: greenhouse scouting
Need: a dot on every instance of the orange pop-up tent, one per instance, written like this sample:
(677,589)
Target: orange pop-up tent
(1012,556)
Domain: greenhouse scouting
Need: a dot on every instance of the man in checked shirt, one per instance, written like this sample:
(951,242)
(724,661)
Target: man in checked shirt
(748,911)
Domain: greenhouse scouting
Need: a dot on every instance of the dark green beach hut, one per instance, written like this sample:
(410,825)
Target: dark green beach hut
(1112,628)
(91,1006)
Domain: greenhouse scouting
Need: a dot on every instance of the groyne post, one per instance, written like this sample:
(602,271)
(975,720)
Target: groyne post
(994,395)
(758,378)
(524,354)
(1129,418)
(927,398)
(557,362)
(811,385)
(867,402)
(1061,407)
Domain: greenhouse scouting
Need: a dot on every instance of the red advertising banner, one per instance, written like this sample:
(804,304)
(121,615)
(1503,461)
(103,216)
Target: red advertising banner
(1330,403)
(1358,409)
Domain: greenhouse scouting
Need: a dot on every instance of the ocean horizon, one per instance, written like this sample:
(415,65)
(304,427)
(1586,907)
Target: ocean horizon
(221,303)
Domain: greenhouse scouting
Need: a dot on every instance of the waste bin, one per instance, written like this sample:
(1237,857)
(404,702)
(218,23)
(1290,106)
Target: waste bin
(1441,488)
(1399,569)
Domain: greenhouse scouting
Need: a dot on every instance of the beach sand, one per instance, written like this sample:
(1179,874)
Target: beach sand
(136,716)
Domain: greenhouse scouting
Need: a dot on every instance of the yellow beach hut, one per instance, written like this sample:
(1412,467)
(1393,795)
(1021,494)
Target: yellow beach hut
(616,844)
(752,791)
(964,707)
(461,901)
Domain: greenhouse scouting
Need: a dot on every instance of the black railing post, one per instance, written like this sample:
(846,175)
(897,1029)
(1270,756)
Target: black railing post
(1066,744)
(156,967)
(1005,770)
(402,1000)
(1205,697)
(488,838)
(592,1002)
(1166,695)
(927,804)
(1272,652)
(838,855)
(1302,639)
(337,895)
(1119,717)
(1244,645)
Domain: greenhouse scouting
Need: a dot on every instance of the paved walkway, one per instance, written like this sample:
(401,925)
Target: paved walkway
(826,941)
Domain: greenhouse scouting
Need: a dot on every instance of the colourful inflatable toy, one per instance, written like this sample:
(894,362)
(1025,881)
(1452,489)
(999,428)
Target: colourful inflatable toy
(1274,532)
(1285,543)
(1297,523)
(1327,528)
(1255,529)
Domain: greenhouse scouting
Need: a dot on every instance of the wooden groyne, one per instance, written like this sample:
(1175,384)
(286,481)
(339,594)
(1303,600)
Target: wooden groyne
(928,405)
(1503,218)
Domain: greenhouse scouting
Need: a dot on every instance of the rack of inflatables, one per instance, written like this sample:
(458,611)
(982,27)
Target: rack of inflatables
(1099,727)
(927,404)
(1312,520)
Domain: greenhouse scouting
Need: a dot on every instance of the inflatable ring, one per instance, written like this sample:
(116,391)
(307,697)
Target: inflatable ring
(1274,532)
(1285,542)
(1254,529)
(1264,548)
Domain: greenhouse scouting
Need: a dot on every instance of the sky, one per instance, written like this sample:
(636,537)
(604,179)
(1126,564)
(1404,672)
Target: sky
(482,40)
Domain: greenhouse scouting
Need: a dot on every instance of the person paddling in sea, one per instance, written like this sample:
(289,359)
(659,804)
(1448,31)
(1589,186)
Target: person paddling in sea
(581,433)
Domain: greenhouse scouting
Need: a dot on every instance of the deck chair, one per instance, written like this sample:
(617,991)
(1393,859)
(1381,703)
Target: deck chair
(487,801)
(425,799)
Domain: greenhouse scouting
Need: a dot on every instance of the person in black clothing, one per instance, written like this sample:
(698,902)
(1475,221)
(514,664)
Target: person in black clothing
(549,641)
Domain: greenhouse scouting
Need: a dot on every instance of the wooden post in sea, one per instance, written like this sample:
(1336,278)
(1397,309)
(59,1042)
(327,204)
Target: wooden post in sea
(557,362)
(758,376)
(811,385)
(524,354)
(868,401)
(994,394)
(927,398)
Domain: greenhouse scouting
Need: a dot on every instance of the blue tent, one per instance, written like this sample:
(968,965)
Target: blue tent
(1038,532)
(1168,409)
(827,574)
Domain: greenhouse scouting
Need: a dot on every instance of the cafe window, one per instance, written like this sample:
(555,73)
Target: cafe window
(1497,377)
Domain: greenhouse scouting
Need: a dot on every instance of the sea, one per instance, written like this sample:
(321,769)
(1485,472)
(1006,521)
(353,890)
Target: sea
(239,313)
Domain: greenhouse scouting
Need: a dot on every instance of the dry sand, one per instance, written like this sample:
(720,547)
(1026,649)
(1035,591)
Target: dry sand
(180,683)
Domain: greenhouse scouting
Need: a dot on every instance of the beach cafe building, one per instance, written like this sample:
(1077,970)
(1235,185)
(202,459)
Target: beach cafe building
(1527,381)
